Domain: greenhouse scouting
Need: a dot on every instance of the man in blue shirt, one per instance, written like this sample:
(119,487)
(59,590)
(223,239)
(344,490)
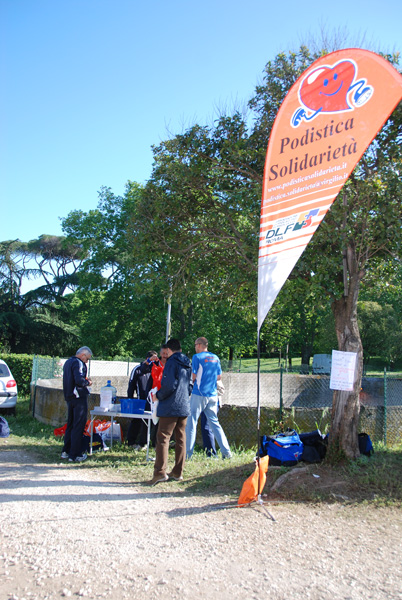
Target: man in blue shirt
(206,368)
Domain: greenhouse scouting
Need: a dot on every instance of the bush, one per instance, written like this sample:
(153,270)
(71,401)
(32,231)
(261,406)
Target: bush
(21,368)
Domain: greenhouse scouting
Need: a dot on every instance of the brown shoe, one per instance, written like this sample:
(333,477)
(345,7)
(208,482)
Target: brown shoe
(171,476)
(158,479)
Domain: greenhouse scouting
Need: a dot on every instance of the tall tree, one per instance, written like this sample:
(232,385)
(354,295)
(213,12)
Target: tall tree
(202,203)
(125,281)
(362,225)
(31,321)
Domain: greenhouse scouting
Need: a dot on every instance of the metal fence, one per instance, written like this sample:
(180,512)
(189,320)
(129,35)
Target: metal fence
(287,399)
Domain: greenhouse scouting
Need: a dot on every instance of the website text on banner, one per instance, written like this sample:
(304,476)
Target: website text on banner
(325,124)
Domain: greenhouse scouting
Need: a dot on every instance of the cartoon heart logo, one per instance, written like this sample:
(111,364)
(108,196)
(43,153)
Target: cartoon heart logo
(325,89)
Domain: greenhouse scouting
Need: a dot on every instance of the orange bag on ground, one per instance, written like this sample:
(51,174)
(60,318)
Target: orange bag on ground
(97,423)
(249,492)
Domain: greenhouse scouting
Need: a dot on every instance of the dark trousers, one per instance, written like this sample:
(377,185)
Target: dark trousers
(76,419)
(208,438)
(137,431)
(168,426)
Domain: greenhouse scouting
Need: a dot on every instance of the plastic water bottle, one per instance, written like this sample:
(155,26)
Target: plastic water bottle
(114,391)
(108,394)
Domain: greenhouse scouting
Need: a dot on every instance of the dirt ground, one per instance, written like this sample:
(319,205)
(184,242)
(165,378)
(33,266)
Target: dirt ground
(67,531)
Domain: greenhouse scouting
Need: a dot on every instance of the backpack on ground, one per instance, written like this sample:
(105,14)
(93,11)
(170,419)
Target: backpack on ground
(4,428)
(314,446)
(283,449)
(365,444)
(97,443)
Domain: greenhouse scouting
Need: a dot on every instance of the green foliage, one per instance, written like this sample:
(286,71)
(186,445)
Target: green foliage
(21,368)
(296,319)
(380,331)
(323,424)
(119,321)
(32,322)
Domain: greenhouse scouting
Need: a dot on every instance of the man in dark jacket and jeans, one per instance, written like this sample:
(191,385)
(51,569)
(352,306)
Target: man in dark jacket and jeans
(173,410)
(75,388)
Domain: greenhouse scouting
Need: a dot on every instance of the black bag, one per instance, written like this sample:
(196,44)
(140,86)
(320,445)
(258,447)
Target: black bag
(315,446)
(365,445)
(283,449)
(97,443)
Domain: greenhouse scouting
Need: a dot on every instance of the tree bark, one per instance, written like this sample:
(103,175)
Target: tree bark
(231,355)
(345,404)
(305,354)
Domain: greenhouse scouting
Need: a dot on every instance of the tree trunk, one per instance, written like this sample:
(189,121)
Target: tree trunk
(182,320)
(231,355)
(305,354)
(345,404)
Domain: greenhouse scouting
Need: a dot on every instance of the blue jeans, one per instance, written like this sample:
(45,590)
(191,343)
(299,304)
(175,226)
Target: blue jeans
(209,406)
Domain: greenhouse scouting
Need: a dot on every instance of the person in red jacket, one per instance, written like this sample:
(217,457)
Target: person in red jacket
(157,368)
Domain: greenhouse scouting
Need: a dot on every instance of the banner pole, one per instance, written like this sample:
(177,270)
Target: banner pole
(258,412)
(169,312)
(258,389)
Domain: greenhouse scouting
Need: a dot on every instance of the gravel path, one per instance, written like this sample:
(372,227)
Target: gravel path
(68,532)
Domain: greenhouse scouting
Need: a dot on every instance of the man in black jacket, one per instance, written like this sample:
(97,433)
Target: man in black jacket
(173,410)
(75,388)
(140,384)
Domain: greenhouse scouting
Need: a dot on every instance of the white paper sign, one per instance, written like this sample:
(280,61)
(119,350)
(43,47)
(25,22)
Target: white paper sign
(343,370)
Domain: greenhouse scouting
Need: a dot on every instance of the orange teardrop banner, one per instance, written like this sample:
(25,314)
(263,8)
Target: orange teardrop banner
(325,124)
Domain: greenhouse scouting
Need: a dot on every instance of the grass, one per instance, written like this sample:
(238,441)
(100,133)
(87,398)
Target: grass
(375,368)
(376,480)
(380,475)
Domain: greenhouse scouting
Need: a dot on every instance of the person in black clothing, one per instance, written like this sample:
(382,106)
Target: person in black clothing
(140,384)
(76,392)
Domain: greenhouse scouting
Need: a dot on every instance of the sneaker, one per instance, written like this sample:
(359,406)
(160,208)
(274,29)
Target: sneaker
(64,455)
(158,479)
(78,458)
(175,478)
(227,456)
(136,447)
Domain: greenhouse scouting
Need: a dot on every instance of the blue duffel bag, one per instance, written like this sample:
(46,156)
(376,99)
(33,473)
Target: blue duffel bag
(4,428)
(283,449)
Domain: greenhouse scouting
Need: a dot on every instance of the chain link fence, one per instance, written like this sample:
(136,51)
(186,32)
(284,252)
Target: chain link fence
(287,398)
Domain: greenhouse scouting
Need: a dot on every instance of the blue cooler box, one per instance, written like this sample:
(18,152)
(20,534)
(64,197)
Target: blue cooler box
(133,406)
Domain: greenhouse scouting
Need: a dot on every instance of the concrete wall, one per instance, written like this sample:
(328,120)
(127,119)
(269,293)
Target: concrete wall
(304,398)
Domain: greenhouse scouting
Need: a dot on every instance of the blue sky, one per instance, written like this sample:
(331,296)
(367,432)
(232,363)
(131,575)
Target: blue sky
(89,85)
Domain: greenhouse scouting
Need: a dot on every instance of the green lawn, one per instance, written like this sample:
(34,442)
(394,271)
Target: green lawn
(375,368)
